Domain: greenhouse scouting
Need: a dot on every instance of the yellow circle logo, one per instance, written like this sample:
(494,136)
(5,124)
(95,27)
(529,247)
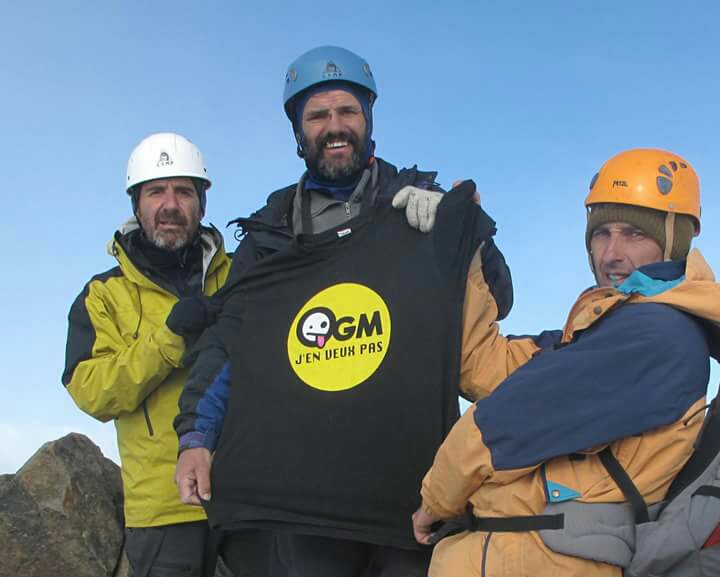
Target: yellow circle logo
(339,337)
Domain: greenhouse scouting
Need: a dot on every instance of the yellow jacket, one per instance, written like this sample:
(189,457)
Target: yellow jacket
(465,468)
(123,363)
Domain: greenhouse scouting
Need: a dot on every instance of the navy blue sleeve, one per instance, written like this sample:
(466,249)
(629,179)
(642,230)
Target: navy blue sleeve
(203,401)
(209,414)
(639,368)
(546,340)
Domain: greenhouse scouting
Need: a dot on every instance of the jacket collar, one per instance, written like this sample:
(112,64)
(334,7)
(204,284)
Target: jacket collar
(210,239)
(696,294)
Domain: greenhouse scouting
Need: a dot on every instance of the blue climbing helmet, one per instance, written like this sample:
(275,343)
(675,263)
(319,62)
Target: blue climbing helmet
(326,64)
(337,68)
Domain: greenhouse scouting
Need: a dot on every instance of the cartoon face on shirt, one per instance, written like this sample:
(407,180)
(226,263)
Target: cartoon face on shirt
(316,327)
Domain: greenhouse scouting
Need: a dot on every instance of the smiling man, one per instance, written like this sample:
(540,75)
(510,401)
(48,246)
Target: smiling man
(335,128)
(128,331)
(621,388)
(328,96)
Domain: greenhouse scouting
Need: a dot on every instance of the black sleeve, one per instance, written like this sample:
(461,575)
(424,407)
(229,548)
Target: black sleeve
(243,258)
(498,278)
(462,225)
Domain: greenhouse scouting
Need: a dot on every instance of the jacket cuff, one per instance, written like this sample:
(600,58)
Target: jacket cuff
(193,440)
(430,510)
(431,505)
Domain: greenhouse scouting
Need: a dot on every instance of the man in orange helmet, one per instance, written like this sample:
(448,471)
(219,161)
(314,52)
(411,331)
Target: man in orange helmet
(621,388)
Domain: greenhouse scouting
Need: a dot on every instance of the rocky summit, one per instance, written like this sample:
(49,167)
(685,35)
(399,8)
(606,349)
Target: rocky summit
(61,514)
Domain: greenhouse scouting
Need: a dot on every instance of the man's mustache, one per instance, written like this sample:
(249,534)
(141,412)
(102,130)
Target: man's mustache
(170,216)
(330,136)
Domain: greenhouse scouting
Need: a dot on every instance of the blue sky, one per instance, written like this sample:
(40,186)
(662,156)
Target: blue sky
(527,98)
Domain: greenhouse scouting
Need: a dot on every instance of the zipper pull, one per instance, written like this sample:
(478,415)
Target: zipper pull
(347,209)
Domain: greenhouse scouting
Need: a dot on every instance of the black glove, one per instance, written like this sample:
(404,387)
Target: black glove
(191,315)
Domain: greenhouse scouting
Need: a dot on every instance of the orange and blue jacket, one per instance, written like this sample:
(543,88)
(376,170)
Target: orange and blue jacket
(629,370)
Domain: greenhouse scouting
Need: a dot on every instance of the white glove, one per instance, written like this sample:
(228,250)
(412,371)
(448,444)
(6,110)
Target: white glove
(420,206)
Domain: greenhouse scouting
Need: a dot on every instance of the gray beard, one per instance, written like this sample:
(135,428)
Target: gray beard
(176,242)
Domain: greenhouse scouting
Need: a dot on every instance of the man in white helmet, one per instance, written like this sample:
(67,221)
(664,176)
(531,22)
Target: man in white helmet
(128,331)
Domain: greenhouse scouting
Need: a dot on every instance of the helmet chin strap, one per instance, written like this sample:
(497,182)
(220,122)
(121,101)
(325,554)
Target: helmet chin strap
(669,234)
(589,252)
(300,147)
(592,266)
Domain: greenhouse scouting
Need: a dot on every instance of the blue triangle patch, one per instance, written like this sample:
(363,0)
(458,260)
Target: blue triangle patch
(558,493)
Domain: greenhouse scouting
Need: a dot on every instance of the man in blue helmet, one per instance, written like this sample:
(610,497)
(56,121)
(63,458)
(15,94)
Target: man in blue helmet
(328,97)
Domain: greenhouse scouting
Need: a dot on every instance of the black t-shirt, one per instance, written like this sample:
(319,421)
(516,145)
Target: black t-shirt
(345,353)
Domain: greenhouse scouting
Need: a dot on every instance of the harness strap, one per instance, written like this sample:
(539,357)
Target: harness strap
(708,491)
(669,234)
(452,527)
(519,524)
(628,488)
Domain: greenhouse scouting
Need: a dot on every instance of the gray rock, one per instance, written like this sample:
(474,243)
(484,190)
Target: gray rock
(61,513)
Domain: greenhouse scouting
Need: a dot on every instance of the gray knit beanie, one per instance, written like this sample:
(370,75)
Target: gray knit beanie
(650,221)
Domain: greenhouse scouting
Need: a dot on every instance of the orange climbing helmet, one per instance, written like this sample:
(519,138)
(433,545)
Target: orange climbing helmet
(649,178)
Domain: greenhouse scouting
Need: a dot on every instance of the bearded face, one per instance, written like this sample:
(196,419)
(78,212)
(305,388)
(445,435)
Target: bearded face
(169,212)
(334,129)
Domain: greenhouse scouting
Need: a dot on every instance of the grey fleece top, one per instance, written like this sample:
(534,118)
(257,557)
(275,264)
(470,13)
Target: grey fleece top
(327,212)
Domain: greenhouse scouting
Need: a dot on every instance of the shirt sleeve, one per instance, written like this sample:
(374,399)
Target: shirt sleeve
(204,400)
(488,357)
(639,368)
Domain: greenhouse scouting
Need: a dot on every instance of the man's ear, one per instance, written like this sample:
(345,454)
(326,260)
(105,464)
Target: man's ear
(135,202)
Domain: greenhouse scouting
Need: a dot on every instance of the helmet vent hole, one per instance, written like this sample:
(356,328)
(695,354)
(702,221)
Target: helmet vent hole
(673,165)
(664,185)
(594,180)
(665,170)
